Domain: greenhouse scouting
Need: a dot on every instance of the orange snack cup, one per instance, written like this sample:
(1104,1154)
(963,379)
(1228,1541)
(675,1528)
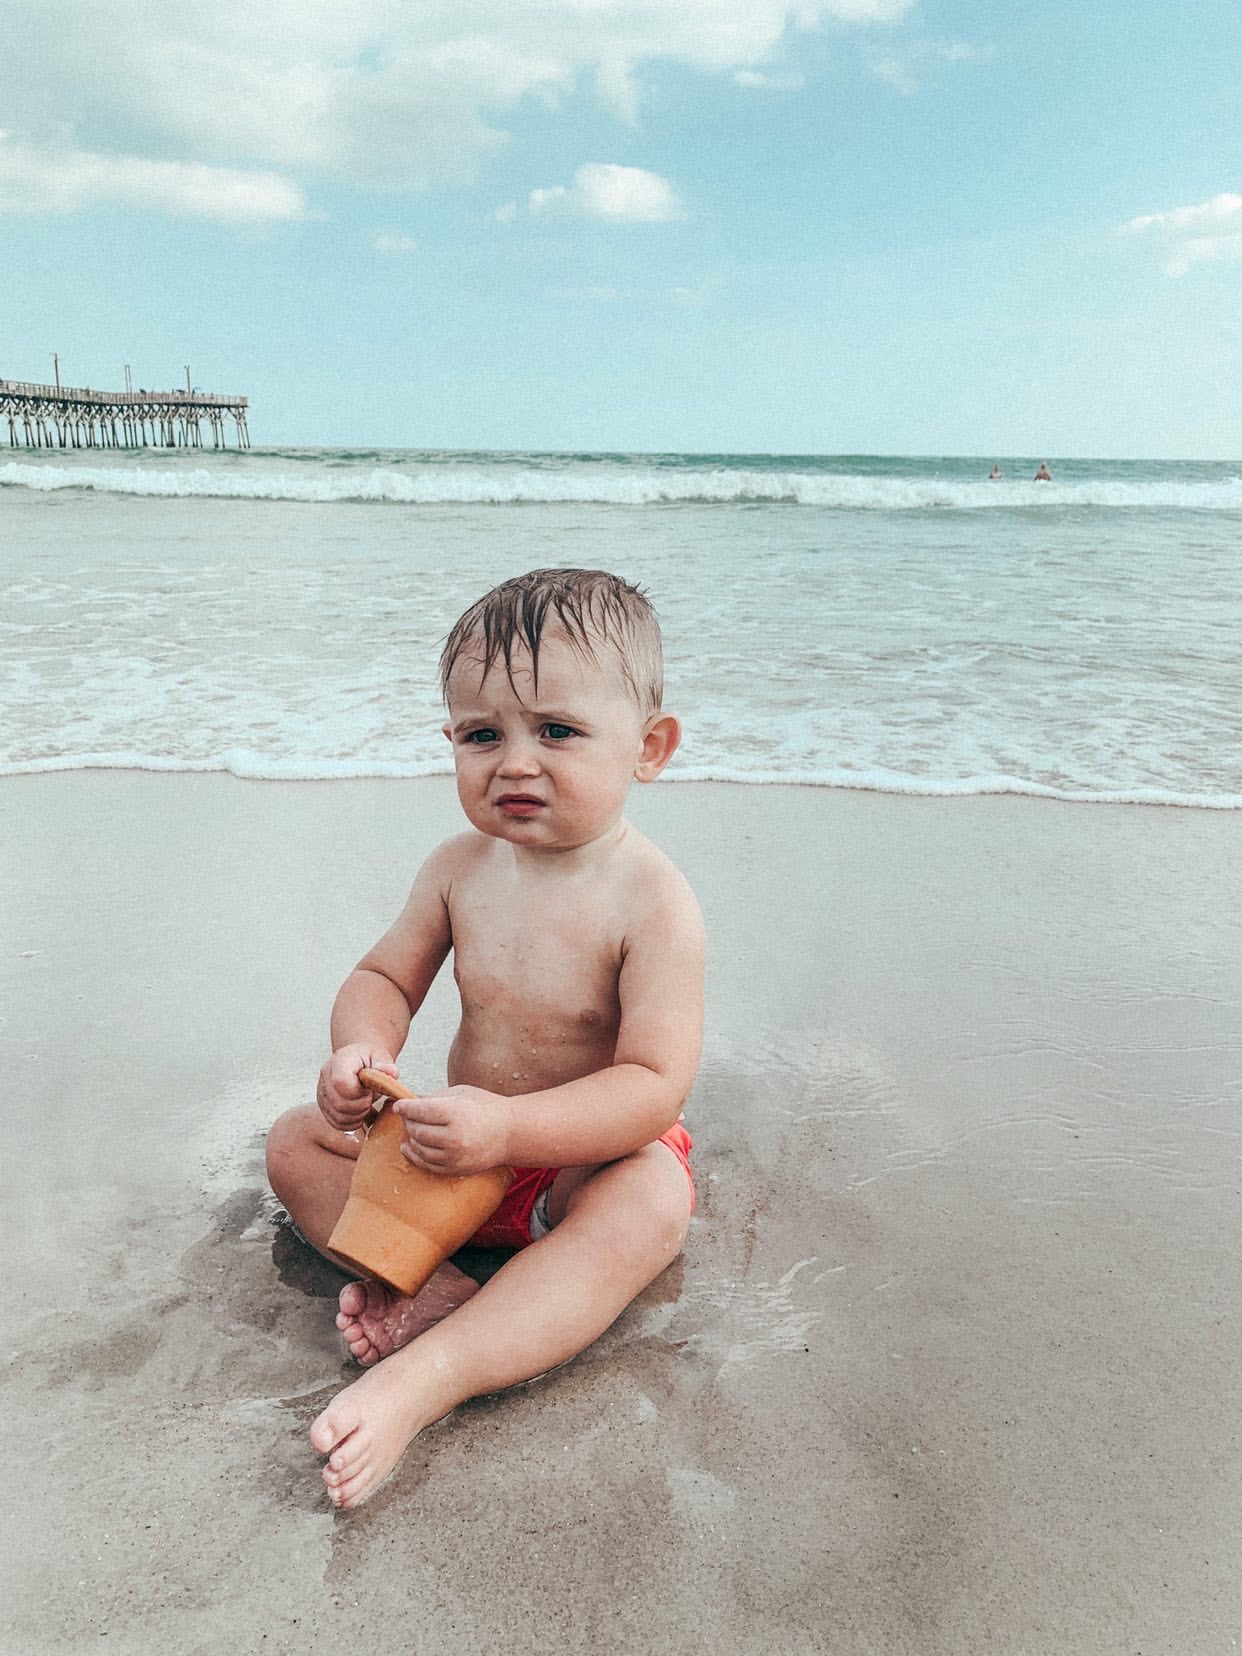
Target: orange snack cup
(399,1221)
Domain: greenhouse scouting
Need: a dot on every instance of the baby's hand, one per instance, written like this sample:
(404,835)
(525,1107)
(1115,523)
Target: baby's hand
(459,1130)
(342,1098)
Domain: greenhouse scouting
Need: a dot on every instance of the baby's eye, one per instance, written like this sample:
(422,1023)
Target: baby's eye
(559,732)
(481,737)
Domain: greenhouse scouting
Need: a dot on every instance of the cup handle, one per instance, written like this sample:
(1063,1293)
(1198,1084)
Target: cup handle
(384,1084)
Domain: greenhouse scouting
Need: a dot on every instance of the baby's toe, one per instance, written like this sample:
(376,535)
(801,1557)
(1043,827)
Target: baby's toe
(330,1429)
(353,1299)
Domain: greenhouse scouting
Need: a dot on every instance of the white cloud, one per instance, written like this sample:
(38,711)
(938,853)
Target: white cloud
(376,93)
(33,181)
(765,81)
(393,246)
(1189,235)
(896,75)
(907,70)
(1221,209)
(603,190)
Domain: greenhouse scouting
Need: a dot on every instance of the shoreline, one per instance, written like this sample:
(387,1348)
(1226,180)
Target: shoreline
(949,1362)
(255,768)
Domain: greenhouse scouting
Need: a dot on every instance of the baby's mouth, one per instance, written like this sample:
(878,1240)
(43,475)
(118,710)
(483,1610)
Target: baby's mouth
(519,804)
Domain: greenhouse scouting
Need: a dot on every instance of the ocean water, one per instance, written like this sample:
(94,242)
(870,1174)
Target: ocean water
(848,621)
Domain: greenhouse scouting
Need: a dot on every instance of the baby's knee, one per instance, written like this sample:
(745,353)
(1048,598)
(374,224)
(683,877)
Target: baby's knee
(641,1202)
(293,1126)
(676,1207)
(289,1137)
(664,1199)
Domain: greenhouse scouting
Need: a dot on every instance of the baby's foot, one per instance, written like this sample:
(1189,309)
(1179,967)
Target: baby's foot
(375,1320)
(365,1429)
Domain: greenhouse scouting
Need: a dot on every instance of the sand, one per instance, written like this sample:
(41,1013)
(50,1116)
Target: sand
(950,1363)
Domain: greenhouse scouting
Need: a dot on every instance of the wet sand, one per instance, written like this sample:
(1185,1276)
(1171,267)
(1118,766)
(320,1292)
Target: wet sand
(950,1363)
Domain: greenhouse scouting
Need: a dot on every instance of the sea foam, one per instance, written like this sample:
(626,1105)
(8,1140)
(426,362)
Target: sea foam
(408,483)
(255,767)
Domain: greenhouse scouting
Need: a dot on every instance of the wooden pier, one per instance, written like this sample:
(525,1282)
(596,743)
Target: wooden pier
(54,416)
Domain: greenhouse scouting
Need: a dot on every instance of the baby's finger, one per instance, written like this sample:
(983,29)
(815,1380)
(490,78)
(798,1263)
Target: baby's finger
(427,1138)
(421,1112)
(432,1158)
(344,1082)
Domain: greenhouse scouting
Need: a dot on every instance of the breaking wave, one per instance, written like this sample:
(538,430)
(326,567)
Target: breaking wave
(478,481)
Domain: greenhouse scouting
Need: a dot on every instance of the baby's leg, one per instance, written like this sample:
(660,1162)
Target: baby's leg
(623,1225)
(310,1165)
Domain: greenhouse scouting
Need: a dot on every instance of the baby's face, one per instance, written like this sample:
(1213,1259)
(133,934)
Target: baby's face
(549,767)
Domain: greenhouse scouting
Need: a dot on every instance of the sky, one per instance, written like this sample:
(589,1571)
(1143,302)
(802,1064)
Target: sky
(715,226)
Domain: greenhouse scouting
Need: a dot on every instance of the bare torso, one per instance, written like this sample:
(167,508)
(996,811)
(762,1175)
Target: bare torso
(537,958)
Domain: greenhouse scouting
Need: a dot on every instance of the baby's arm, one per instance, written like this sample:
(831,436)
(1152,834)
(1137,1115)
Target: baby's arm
(372,1011)
(613,1111)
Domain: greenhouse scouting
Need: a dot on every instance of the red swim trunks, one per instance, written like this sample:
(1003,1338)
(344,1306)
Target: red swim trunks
(509,1226)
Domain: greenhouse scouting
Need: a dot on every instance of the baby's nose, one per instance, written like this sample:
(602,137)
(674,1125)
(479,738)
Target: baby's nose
(520,758)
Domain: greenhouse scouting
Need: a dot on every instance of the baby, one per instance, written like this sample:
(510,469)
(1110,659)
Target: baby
(578,954)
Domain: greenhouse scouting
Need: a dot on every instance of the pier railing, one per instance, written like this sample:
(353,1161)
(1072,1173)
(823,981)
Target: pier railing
(56,416)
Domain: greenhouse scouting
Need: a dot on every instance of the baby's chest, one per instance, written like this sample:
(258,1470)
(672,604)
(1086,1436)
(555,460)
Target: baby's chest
(563,966)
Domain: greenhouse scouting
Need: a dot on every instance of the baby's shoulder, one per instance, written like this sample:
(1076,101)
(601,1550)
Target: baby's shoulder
(458,858)
(653,882)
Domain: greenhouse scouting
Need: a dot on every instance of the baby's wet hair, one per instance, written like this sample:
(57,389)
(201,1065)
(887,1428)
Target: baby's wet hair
(589,607)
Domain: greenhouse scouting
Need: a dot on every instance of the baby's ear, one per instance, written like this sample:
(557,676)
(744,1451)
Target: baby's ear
(660,743)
